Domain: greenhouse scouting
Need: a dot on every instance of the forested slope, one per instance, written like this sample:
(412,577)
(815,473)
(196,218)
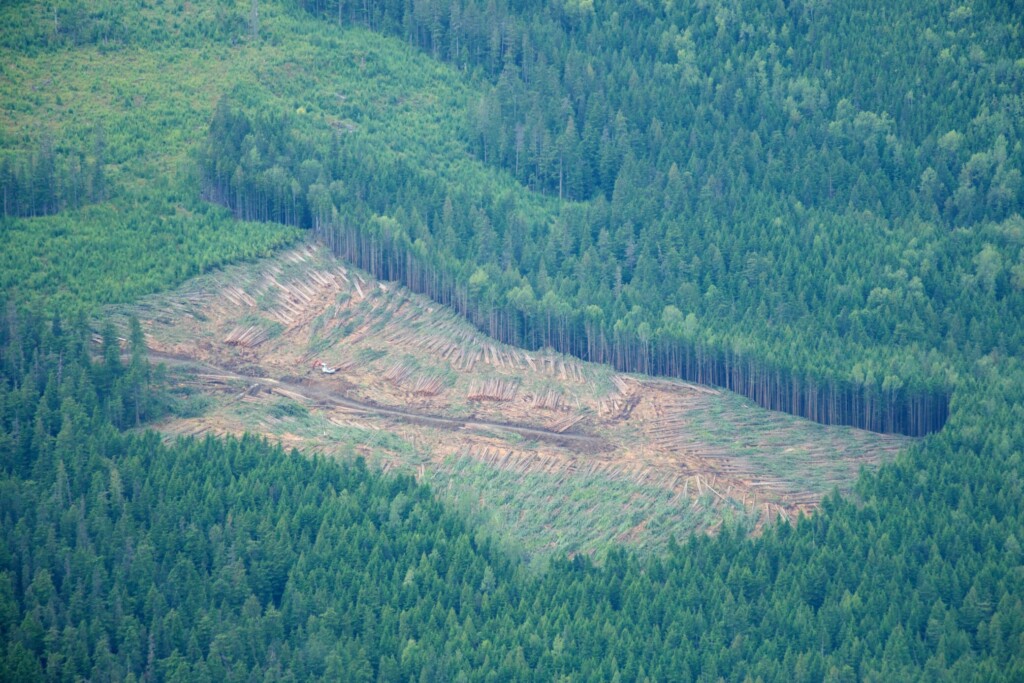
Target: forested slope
(742,201)
(124,558)
(102,104)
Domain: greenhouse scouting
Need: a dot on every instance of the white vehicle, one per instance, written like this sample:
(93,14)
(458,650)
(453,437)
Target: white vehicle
(324,368)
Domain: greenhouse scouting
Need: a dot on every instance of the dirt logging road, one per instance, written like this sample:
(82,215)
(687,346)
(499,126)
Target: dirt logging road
(319,396)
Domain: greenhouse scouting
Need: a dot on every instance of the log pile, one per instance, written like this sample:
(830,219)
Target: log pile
(562,368)
(547,400)
(671,433)
(494,389)
(427,385)
(504,357)
(461,345)
(238,297)
(402,374)
(624,386)
(248,337)
(614,409)
(520,462)
(564,424)
(398,372)
(463,357)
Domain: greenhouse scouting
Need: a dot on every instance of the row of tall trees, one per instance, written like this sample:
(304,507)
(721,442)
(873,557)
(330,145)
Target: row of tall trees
(47,181)
(796,214)
(123,557)
(738,316)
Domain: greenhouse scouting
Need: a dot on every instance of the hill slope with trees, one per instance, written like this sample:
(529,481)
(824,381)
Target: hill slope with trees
(125,558)
(735,204)
(102,105)
(786,223)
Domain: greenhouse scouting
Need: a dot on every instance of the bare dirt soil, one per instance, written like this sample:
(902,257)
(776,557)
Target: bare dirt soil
(518,436)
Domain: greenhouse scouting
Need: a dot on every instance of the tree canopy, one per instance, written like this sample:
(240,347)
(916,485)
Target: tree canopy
(124,557)
(725,192)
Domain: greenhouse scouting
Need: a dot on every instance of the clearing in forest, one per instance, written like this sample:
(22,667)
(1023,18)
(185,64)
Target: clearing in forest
(552,452)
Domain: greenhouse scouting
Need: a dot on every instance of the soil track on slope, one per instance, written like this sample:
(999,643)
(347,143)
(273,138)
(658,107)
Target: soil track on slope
(318,395)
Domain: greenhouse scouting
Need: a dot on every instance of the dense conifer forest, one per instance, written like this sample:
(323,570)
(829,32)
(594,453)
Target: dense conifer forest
(125,558)
(814,204)
(738,204)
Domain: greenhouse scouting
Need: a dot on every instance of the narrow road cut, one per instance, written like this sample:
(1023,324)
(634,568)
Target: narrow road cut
(322,397)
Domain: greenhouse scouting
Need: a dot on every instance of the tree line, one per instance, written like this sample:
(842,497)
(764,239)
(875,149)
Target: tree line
(560,285)
(842,243)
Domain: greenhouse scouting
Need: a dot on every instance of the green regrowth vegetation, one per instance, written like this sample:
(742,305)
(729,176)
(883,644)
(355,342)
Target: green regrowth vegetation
(112,253)
(99,199)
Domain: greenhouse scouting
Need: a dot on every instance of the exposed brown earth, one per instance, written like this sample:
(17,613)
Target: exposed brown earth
(436,391)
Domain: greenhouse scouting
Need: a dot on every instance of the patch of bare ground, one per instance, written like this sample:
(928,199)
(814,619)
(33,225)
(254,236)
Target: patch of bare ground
(312,352)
